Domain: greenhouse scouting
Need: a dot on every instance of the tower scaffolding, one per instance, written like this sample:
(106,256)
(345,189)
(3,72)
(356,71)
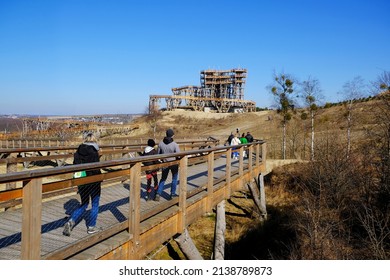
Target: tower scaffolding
(220,90)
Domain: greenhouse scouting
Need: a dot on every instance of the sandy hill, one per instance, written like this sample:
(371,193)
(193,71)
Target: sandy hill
(330,124)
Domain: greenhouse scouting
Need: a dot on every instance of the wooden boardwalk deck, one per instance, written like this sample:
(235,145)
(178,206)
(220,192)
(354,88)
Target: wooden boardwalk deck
(114,205)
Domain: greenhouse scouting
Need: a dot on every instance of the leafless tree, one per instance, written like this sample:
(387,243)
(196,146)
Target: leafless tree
(154,115)
(311,93)
(282,87)
(374,210)
(352,90)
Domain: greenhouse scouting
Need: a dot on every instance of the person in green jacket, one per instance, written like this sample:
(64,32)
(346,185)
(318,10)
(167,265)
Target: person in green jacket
(244,140)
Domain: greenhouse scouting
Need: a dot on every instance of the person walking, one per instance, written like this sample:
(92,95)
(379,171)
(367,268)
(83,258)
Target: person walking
(229,140)
(244,140)
(249,137)
(87,152)
(168,146)
(150,174)
(235,141)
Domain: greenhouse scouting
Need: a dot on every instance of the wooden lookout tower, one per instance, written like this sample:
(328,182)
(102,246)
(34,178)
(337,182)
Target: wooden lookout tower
(221,91)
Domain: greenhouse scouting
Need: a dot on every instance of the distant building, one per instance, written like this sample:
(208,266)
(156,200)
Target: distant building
(220,91)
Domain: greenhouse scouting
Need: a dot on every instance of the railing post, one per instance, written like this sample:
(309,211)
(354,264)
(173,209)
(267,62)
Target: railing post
(257,155)
(11,167)
(134,209)
(228,173)
(183,173)
(264,155)
(32,220)
(241,166)
(250,160)
(210,181)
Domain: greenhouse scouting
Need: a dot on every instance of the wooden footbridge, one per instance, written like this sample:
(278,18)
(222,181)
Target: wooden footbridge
(36,203)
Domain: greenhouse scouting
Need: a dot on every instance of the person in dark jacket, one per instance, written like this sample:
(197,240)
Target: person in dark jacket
(150,174)
(168,146)
(249,137)
(87,152)
(229,140)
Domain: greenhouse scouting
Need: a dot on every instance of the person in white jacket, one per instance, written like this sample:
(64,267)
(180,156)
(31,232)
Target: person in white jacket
(235,141)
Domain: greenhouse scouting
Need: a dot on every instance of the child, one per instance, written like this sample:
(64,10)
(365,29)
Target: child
(150,150)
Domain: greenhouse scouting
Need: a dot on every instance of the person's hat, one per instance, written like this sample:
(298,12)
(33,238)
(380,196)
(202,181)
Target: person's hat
(151,143)
(170,133)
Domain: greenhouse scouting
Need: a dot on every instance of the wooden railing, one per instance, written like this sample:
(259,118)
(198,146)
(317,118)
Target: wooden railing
(24,143)
(13,156)
(35,188)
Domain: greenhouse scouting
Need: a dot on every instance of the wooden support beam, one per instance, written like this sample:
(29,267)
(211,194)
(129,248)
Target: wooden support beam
(258,195)
(32,220)
(263,208)
(187,246)
(219,235)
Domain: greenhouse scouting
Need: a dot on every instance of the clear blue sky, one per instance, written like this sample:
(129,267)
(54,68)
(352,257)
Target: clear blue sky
(96,57)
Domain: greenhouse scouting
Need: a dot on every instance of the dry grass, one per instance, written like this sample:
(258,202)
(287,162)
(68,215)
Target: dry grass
(240,217)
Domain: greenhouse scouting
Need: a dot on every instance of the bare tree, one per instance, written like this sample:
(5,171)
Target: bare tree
(374,211)
(282,88)
(382,84)
(154,115)
(311,94)
(352,90)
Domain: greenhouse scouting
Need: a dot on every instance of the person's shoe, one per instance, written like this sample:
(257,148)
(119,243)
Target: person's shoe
(157,197)
(174,195)
(147,197)
(68,228)
(92,230)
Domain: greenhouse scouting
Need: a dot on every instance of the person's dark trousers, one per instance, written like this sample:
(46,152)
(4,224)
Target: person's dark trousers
(164,175)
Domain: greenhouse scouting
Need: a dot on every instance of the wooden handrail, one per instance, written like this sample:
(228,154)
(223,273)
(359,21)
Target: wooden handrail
(39,173)
(113,146)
